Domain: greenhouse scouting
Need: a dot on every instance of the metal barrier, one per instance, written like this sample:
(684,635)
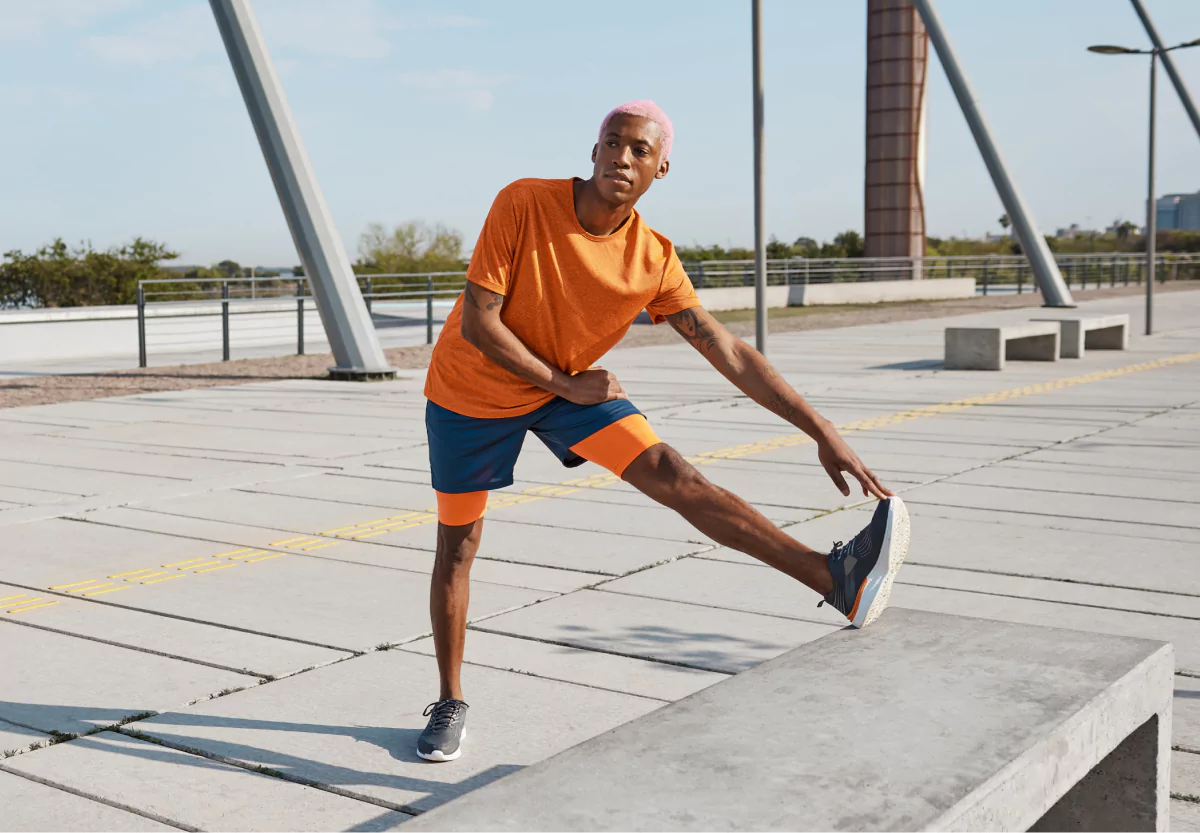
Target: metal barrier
(226,297)
(173,298)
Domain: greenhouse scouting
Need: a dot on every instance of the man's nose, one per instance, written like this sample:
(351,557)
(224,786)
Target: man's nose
(623,157)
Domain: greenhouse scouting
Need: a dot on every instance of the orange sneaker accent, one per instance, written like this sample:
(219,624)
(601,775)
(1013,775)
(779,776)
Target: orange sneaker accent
(857,599)
(462,508)
(616,446)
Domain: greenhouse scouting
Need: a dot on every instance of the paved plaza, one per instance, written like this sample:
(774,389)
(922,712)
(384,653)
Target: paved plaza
(227,588)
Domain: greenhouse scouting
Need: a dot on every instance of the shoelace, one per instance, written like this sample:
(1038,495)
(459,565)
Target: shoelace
(444,712)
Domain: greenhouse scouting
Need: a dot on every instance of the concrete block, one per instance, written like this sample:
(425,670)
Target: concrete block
(1092,332)
(575,665)
(354,725)
(196,791)
(953,723)
(698,637)
(29,805)
(875,292)
(987,348)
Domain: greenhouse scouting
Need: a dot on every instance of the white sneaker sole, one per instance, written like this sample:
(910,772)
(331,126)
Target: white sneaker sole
(878,586)
(438,756)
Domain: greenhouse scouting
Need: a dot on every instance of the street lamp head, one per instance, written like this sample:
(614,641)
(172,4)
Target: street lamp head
(1112,50)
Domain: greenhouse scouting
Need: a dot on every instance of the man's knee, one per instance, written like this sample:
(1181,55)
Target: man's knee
(663,474)
(457,545)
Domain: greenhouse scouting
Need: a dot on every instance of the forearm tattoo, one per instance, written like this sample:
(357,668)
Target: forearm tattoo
(693,328)
(496,298)
(782,406)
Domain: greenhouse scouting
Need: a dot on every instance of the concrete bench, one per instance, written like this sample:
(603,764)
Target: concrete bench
(1096,332)
(987,348)
(921,722)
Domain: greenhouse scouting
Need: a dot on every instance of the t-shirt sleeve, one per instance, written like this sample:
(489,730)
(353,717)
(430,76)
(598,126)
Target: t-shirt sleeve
(676,292)
(492,260)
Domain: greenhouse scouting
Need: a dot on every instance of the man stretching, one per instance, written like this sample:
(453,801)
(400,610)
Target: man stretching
(561,269)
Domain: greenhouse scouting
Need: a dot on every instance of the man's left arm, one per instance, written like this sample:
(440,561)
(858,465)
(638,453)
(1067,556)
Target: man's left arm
(753,375)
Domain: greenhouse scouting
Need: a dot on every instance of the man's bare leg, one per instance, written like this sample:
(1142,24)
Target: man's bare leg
(449,594)
(661,473)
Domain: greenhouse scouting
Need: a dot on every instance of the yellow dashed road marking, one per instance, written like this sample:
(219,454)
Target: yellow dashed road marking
(109,590)
(168,578)
(35,607)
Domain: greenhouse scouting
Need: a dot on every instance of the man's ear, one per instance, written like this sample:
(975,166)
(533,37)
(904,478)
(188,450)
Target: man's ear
(595,148)
(663,167)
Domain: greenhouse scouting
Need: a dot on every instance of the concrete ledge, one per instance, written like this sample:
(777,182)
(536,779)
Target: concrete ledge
(1097,332)
(876,292)
(987,348)
(923,722)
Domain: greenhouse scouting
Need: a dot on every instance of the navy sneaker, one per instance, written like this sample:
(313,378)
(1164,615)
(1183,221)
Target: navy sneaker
(443,736)
(863,569)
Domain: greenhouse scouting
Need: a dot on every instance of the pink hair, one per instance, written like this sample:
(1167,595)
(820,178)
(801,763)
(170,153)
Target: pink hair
(649,110)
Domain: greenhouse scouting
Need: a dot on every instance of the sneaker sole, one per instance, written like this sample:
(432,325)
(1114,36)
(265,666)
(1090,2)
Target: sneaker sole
(878,586)
(438,756)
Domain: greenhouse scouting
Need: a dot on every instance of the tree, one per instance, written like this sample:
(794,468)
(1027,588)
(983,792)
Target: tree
(229,269)
(777,249)
(409,247)
(58,276)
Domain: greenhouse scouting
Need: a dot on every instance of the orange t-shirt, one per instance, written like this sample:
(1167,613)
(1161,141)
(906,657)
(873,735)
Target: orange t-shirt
(569,295)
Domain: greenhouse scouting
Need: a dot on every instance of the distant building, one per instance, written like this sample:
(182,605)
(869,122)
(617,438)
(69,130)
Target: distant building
(1072,231)
(1178,211)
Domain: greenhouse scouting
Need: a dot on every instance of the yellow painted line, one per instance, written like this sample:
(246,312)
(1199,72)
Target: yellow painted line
(189,561)
(85,590)
(288,541)
(233,552)
(168,578)
(320,546)
(76,584)
(109,590)
(24,609)
(152,575)
(249,553)
(10,598)
(132,573)
(217,567)
(265,558)
(26,602)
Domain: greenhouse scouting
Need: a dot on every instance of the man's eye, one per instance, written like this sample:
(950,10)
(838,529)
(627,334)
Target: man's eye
(611,143)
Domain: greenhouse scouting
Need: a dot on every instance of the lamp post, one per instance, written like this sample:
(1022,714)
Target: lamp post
(1151,205)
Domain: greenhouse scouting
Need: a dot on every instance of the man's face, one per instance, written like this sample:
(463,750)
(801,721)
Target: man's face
(627,158)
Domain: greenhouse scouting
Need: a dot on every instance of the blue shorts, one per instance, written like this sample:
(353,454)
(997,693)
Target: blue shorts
(469,454)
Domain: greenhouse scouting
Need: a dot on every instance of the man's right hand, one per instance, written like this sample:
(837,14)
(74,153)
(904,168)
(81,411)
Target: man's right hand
(593,386)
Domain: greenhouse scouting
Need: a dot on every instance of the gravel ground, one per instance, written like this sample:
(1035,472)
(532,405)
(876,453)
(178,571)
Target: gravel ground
(45,390)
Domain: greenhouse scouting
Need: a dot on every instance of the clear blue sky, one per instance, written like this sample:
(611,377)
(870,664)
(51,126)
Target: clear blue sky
(122,117)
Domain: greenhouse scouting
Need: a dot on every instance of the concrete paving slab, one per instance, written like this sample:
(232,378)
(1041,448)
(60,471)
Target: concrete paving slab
(67,684)
(29,805)
(15,739)
(354,726)
(1062,477)
(225,438)
(575,665)
(372,552)
(1184,634)
(233,650)
(51,451)
(1185,725)
(686,634)
(73,482)
(1185,815)
(29,497)
(1185,773)
(722,585)
(1057,504)
(1092,594)
(197,791)
(1097,451)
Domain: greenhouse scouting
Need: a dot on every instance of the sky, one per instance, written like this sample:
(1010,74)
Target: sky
(122,117)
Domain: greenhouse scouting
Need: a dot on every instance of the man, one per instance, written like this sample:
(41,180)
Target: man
(561,269)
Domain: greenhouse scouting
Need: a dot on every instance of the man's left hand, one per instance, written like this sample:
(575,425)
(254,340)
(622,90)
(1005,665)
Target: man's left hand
(837,457)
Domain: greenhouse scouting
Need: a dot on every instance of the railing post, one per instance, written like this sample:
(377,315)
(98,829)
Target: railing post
(224,321)
(300,318)
(986,263)
(1020,278)
(429,310)
(369,294)
(700,277)
(141,312)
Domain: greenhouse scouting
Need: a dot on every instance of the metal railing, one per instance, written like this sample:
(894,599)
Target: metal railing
(1083,271)
(391,298)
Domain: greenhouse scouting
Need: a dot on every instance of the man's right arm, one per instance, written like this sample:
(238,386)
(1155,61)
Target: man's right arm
(483,329)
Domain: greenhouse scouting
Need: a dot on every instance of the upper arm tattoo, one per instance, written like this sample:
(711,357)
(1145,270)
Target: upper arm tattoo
(495,298)
(695,329)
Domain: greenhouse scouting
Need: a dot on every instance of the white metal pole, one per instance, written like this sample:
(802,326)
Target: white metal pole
(347,324)
(1151,205)
(760,246)
(1169,65)
(1055,292)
